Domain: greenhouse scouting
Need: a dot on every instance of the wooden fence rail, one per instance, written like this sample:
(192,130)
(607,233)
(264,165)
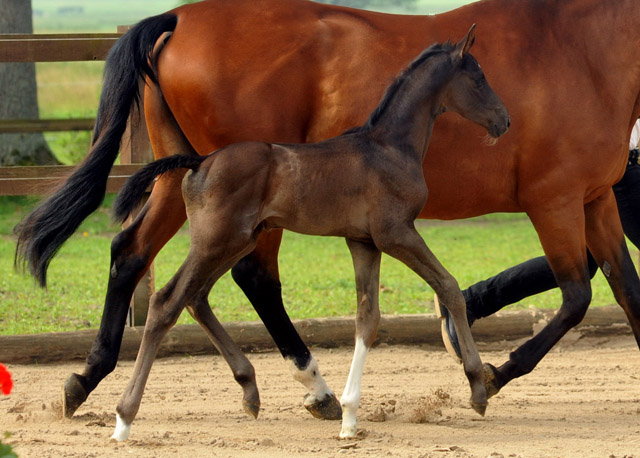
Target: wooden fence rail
(13,126)
(135,149)
(74,47)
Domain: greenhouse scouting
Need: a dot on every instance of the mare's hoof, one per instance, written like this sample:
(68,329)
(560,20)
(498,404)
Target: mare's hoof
(491,380)
(73,396)
(252,408)
(479,408)
(326,409)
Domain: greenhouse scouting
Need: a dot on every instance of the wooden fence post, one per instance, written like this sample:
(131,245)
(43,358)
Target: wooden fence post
(135,149)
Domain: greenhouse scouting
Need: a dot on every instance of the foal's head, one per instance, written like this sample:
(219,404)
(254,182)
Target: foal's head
(469,94)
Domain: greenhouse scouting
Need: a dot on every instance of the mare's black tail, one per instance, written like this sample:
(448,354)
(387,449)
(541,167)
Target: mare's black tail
(132,191)
(46,228)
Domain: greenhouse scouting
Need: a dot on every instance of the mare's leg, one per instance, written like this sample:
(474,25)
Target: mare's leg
(562,237)
(242,369)
(535,276)
(366,263)
(486,297)
(133,250)
(257,275)
(606,241)
(404,243)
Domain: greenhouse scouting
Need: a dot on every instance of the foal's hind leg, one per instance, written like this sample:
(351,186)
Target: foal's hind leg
(405,244)
(164,309)
(257,275)
(132,251)
(366,263)
(242,369)
(607,244)
(208,258)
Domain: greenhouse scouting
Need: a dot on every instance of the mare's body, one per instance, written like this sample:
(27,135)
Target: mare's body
(296,71)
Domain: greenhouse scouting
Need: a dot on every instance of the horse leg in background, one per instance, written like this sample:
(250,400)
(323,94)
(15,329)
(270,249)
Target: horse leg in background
(403,242)
(213,252)
(257,275)
(560,232)
(133,250)
(242,369)
(608,246)
(366,263)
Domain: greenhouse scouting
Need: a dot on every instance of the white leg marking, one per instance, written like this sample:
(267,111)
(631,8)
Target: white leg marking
(122,429)
(310,377)
(350,399)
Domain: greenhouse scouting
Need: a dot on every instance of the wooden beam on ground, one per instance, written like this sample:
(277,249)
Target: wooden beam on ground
(326,332)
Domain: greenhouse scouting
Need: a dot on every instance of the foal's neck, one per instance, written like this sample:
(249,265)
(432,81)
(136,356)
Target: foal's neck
(406,122)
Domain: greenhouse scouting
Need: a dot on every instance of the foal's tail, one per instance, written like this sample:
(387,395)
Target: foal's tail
(132,191)
(46,228)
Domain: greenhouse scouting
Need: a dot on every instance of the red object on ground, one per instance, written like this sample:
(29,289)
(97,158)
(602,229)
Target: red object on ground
(5,380)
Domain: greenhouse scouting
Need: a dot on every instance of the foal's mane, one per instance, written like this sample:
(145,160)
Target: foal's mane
(435,49)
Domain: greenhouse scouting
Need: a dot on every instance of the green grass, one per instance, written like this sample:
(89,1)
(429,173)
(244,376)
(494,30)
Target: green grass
(316,273)
(96,15)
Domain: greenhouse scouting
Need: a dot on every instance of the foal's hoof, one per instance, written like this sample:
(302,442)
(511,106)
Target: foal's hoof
(479,408)
(252,408)
(73,396)
(491,380)
(326,409)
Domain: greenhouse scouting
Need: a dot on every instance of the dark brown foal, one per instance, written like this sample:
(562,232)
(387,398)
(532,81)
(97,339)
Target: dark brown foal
(365,185)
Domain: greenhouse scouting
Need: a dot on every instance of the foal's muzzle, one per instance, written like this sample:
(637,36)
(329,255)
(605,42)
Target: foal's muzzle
(500,126)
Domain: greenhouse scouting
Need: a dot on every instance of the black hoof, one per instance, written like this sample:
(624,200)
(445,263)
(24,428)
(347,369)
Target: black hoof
(251,408)
(491,380)
(326,409)
(73,396)
(479,408)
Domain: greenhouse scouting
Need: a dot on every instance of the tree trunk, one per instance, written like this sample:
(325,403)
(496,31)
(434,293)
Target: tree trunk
(18,93)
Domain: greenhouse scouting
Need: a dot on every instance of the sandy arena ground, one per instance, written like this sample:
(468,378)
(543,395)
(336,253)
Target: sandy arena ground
(582,401)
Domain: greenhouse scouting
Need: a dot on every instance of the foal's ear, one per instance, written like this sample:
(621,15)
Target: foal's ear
(463,47)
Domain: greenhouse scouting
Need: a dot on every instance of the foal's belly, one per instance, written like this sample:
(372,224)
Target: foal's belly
(326,218)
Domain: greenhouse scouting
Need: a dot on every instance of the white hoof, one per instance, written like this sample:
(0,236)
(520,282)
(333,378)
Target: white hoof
(349,422)
(122,430)
(348,431)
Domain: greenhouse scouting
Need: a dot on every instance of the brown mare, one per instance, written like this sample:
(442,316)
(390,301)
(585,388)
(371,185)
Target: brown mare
(365,185)
(297,71)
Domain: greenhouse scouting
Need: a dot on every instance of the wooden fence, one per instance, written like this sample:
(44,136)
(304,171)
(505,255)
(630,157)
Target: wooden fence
(135,149)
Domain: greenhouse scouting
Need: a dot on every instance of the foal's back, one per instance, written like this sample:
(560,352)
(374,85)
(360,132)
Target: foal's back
(337,187)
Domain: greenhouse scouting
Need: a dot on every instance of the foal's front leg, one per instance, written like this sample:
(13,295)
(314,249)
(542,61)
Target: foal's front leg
(405,244)
(366,263)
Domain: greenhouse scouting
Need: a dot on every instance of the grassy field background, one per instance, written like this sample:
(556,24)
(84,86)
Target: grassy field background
(316,272)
